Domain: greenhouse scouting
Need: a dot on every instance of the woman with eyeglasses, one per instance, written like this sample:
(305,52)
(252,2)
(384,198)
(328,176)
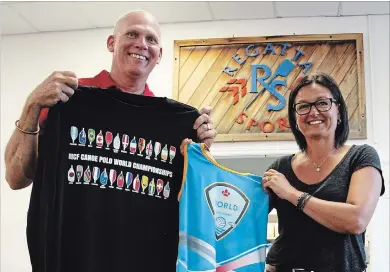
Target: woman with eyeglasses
(326,194)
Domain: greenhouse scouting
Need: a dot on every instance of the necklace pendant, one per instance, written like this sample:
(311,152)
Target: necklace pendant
(318,169)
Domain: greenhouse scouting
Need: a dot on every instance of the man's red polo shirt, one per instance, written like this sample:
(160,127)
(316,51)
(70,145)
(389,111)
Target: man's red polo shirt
(101,80)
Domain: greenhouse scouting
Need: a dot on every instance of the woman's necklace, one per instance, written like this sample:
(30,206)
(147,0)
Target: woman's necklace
(318,167)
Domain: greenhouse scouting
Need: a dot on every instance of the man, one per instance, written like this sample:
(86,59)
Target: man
(135,46)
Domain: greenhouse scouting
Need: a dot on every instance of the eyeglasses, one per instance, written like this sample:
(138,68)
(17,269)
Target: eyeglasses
(321,105)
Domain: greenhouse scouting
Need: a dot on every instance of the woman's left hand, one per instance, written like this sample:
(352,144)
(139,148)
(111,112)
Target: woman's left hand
(278,183)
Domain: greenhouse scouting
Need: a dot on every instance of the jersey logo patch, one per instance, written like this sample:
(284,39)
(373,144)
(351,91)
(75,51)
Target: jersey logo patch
(228,204)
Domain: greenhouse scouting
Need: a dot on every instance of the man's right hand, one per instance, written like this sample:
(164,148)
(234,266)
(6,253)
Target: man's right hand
(58,87)
(21,154)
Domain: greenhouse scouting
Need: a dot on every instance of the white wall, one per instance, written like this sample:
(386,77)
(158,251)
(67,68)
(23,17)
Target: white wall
(379,71)
(27,59)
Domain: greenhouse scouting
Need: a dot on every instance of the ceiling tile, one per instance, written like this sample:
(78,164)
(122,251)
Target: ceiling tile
(28,17)
(105,14)
(241,10)
(304,9)
(364,8)
(53,16)
(175,12)
(12,23)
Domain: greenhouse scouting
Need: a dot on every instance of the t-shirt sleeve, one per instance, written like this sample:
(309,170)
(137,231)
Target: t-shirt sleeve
(275,165)
(42,118)
(367,156)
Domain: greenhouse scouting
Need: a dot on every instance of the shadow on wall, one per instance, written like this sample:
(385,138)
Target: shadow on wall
(255,165)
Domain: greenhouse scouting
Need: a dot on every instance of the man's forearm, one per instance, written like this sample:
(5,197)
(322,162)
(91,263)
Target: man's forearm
(21,153)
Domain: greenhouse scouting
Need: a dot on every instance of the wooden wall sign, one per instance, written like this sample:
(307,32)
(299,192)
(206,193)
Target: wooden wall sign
(247,81)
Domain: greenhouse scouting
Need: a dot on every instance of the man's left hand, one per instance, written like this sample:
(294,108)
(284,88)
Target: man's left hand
(204,127)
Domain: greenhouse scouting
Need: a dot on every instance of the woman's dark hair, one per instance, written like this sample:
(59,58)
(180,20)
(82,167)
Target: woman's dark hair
(342,130)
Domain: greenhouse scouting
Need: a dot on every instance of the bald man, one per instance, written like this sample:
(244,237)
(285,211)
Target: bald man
(136,49)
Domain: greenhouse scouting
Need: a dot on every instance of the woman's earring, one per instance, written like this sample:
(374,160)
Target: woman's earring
(339,121)
(296,126)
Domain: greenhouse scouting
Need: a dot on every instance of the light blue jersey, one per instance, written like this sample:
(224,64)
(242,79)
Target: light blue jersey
(223,217)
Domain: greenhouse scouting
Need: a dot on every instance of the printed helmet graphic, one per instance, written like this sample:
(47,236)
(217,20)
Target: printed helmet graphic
(220,222)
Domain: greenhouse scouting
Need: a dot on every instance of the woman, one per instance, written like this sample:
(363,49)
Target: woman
(326,194)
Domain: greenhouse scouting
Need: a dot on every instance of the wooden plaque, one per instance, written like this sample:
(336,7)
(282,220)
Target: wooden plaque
(247,81)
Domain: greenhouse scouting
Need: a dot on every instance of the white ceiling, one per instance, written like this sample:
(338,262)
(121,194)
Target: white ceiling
(33,17)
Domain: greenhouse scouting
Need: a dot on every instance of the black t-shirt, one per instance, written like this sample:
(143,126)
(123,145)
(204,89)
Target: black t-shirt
(304,243)
(105,194)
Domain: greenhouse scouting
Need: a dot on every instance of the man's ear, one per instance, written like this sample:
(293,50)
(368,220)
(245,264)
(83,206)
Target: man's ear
(160,56)
(110,43)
